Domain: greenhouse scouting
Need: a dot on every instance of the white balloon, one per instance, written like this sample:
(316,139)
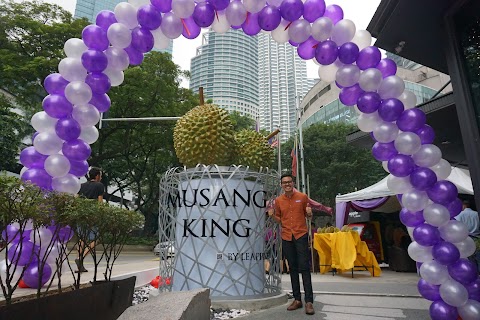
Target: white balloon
(327,73)
(414,200)
(254,6)
(127,14)
(436,214)
(419,253)
(138,3)
(399,185)
(322,29)
(72,69)
(160,40)
(409,99)
(42,122)
(280,34)
(220,23)
(453,293)
(427,156)
(434,273)
(41,237)
(86,115)
(89,134)
(453,231)
(391,87)
(57,165)
(343,31)
(14,273)
(68,184)
(74,48)
(183,8)
(78,92)
(117,58)
(466,247)
(47,143)
(362,39)
(442,169)
(370,79)
(385,132)
(24,169)
(407,143)
(119,35)
(236,13)
(367,122)
(470,310)
(348,75)
(116,76)
(385,166)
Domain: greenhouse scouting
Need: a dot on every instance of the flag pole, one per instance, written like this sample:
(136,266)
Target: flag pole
(300,147)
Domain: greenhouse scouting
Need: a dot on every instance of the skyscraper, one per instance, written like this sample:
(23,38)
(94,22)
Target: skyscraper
(226,67)
(282,78)
(90,8)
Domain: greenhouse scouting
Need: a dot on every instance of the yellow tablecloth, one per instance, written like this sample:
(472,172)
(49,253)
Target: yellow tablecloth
(344,251)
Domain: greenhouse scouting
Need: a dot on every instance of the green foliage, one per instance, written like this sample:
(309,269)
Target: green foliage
(334,166)
(241,122)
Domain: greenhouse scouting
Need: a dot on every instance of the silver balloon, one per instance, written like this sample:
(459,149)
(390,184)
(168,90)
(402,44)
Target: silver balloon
(385,132)
(419,253)
(15,275)
(415,200)
(41,237)
(442,169)
(236,13)
(453,231)
(74,48)
(370,79)
(57,165)
(254,6)
(343,31)
(399,185)
(436,214)
(409,99)
(348,75)
(367,122)
(183,8)
(138,3)
(453,293)
(328,73)
(434,272)
(322,29)
(86,115)
(470,310)
(391,87)
(362,39)
(299,31)
(47,143)
(72,69)
(466,247)
(42,122)
(280,34)
(127,14)
(172,26)
(68,184)
(220,24)
(116,76)
(407,143)
(160,40)
(117,58)
(119,35)
(427,156)
(78,92)
(89,134)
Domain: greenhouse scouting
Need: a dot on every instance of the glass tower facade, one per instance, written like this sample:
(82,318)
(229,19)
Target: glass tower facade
(226,66)
(90,8)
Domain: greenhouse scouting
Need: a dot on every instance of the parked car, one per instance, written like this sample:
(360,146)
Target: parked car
(166,247)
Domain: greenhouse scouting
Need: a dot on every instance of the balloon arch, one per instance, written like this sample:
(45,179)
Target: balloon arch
(93,64)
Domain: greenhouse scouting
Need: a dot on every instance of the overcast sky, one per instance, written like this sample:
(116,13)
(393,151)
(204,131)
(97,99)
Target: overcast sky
(359,11)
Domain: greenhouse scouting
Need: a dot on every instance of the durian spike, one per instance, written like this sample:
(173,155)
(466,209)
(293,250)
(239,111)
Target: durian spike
(200,93)
(273,134)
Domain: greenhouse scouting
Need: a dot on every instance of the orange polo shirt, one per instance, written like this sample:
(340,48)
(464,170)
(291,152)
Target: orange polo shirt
(292,212)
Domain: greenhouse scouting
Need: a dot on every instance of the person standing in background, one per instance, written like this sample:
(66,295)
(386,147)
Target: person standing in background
(92,189)
(291,209)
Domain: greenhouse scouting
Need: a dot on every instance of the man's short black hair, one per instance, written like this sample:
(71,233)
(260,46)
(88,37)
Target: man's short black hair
(94,171)
(466,203)
(285,175)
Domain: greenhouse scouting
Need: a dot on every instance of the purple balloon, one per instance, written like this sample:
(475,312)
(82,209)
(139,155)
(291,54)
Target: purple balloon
(426,134)
(291,10)
(339,86)
(251,26)
(411,120)
(76,149)
(455,207)
(269,18)
(78,168)
(21,253)
(57,106)
(348,53)
(463,271)
(313,9)
(426,235)
(423,178)
(390,109)
(142,39)
(204,14)
(306,50)
(411,219)
(334,12)
(428,291)
(31,158)
(190,29)
(12,235)
(39,177)
(55,83)
(61,234)
(445,253)
(384,151)
(99,82)
(94,60)
(387,67)
(163,5)
(326,52)
(149,17)
(220,5)
(349,96)
(101,102)
(134,55)
(68,129)
(440,310)
(95,37)
(33,274)
(442,192)
(473,289)
(369,102)
(105,19)
(368,57)
(401,165)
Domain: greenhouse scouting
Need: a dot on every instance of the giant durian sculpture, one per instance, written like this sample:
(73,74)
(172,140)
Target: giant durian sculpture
(204,135)
(253,149)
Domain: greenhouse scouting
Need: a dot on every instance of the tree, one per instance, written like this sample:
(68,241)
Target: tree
(334,166)
(241,122)
(134,155)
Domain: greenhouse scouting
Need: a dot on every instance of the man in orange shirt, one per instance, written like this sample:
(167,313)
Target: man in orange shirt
(291,209)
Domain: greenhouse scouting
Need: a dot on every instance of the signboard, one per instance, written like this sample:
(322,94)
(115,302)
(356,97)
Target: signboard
(354,216)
